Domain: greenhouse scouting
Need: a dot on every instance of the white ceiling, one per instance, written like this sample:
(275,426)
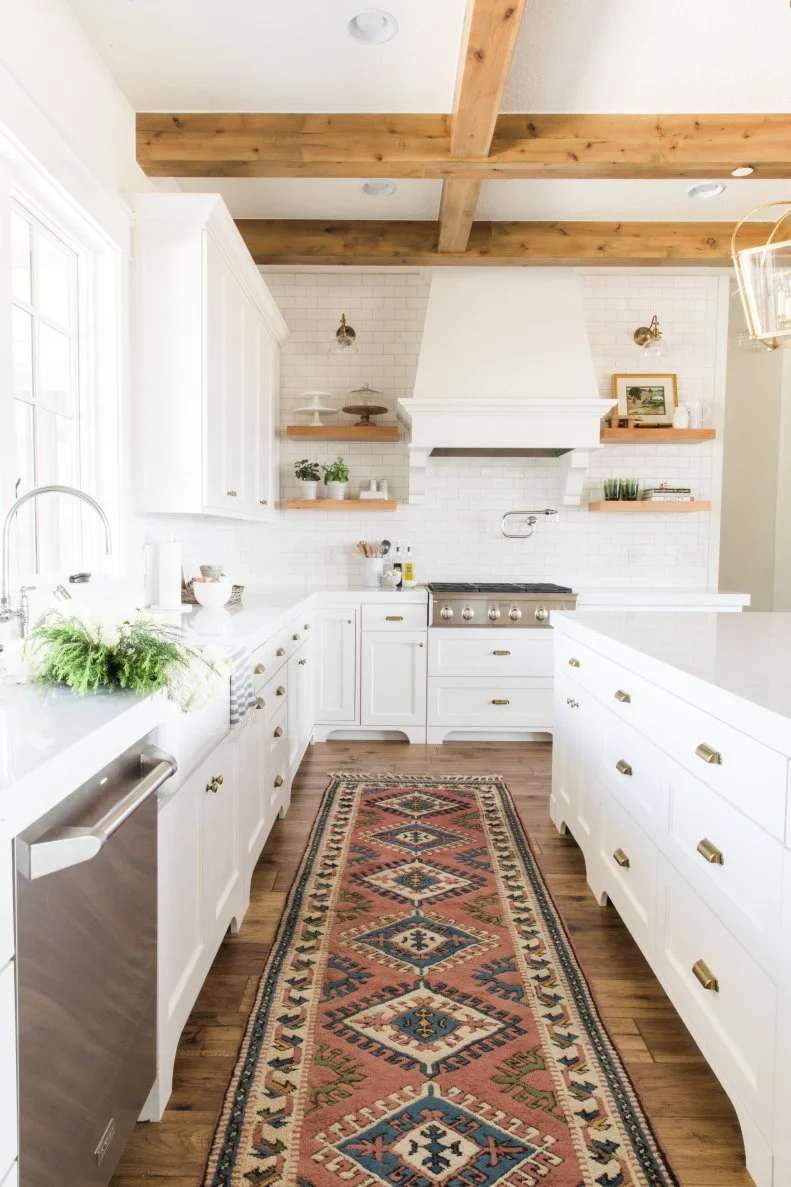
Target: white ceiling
(318,197)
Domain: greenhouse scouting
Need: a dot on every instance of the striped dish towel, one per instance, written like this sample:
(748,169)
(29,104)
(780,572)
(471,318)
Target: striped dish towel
(242,687)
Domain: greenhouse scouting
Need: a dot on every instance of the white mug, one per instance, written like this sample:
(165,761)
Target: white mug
(681,417)
(697,413)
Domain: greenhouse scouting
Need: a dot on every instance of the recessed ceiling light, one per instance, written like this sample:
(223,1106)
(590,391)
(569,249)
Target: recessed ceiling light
(742,171)
(378,189)
(706,189)
(373,26)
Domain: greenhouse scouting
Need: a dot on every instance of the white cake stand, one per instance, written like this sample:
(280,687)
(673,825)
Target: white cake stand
(315,408)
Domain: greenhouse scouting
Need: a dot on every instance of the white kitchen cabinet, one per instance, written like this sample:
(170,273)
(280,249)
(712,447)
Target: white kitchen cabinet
(253,804)
(393,679)
(336,663)
(8,1086)
(221,865)
(300,704)
(206,337)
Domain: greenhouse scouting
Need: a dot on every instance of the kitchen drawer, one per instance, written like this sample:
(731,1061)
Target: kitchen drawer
(517,654)
(631,768)
(277,769)
(274,694)
(577,661)
(629,870)
(269,658)
(298,632)
(8,1063)
(743,883)
(478,704)
(394,616)
(734,1024)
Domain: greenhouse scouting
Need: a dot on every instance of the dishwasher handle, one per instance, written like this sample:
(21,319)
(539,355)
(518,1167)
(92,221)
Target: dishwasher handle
(63,847)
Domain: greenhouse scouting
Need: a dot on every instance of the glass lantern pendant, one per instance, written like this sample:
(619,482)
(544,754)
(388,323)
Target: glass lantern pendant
(764,276)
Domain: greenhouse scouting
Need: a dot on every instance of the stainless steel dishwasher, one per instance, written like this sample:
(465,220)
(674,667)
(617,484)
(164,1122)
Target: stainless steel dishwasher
(86,920)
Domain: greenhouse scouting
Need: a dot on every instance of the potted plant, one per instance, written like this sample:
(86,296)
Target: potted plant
(309,475)
(336,476)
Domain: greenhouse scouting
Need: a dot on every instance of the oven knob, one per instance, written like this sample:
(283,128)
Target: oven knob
(494,614)
(514,614)
(541,614)
(446,613)
(467,613)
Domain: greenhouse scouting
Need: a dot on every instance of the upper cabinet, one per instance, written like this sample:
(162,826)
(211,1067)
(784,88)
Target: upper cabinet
(206,340)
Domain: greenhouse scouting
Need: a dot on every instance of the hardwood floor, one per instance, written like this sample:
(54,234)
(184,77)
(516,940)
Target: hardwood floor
(693,1118)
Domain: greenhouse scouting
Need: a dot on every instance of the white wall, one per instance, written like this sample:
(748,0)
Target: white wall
(456,534)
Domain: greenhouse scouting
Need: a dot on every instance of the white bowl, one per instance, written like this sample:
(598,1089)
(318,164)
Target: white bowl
(213,594)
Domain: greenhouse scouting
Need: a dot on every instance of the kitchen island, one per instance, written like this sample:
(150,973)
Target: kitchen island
(671,770)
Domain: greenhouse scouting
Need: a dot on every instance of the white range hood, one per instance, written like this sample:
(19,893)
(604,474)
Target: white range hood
(505,369)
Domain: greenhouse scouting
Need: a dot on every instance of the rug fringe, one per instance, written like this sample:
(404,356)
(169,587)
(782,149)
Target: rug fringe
(430,777)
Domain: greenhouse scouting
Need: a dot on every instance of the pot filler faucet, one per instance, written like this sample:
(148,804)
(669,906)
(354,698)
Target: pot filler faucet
(7,612)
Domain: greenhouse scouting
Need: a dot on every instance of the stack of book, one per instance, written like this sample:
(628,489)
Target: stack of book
(667,494)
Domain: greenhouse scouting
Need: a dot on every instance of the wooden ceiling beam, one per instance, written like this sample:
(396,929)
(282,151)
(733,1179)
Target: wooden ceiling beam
(404,146)
(295,242)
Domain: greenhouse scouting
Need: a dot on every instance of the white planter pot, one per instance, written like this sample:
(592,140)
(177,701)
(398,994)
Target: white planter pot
(336,490)
(308,490)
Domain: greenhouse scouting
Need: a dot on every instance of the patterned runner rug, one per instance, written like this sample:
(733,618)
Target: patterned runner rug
(422,1020)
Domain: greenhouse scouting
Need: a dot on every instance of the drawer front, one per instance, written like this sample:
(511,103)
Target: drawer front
(394,617)
(520,655)
(734,1020)
(631,768)
(277,774)
(269,658)
(479,705)
(276,729)
(298,632)
(734,865)
(629,869)
(577,661)
(275,694)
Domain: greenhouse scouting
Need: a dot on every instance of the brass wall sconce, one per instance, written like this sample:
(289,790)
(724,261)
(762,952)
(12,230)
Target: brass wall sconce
(345,338)
(650,338)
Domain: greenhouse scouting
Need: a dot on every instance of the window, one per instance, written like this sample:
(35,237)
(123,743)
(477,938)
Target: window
(45,316)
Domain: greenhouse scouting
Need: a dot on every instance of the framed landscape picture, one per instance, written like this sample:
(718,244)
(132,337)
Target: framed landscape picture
(646,399)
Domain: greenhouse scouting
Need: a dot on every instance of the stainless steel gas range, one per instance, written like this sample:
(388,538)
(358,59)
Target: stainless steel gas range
(477,604)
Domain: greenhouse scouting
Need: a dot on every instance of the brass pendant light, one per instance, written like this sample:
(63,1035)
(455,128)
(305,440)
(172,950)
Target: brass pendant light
(764,276)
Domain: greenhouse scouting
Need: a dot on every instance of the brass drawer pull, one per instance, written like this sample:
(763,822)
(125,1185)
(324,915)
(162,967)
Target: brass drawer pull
(572,704)
(278,780)
(280,651)
(501,653)
(501,702)
(708,755)
(394,618)
(623,767)
(231,494)
(302,661)
(263,502)
(281,692)
(259,670)
(574,663)
(260,702)
(705,976)
(219,779)
(296,638)
(711,853)
(621,859)
(279,732)
(623,697)
(213,786)
(306,626)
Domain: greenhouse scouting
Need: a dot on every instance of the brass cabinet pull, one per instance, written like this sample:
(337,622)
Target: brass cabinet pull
(708,755)
(213,786)
(302,661)
(572,704)
(231,494)
(263,502)
(280,651)
(501,702)
(705,976)
(350,622)
(306,626)
(259,670)
(296,638)
(623,697)
(279,731)
(260,702)
(621,859)
(219,779)
(278,780)
(712,854)
(623,767)
(421,644)
(394,618)
(501,653)
(574,663)
(281,692)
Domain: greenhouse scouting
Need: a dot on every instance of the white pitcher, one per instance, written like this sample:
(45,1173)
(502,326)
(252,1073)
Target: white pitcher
(698,412)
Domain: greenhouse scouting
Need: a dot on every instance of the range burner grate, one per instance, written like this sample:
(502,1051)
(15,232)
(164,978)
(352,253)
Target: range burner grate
(460,587)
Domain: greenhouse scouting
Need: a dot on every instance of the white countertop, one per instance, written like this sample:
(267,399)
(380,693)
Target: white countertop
(734,665)
(691,598)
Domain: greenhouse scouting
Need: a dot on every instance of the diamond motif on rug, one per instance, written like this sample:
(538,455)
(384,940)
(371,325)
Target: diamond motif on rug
(418,882)
(419,942)
(417,838)
(415,803)
(432,1027)
(433,1141)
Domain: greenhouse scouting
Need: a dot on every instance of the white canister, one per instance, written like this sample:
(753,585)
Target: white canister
(336,490)
(372,571)
(681,417)
(698,412)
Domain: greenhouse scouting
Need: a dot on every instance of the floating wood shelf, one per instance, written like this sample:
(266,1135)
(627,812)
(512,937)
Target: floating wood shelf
(649,505)
(343,432)
(341,504)
(659,436)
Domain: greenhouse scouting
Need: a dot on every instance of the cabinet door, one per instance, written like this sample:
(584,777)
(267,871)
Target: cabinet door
(226,343)
(336,679)
(221,873)
(268,402)
(300,705)
(251,798)
(393,683)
